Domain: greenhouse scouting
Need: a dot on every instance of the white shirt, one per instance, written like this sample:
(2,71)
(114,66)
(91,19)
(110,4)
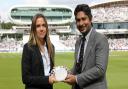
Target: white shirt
(46,61)
(87,38)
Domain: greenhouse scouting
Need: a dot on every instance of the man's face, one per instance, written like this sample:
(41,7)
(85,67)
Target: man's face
(83,22)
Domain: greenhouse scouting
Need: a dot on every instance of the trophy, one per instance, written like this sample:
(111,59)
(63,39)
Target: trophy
(60,73)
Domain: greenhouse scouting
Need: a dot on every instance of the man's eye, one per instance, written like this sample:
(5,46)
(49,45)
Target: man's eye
(77,20)
(83,18)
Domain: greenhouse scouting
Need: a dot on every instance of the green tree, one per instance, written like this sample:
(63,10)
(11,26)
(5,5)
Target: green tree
(7,25)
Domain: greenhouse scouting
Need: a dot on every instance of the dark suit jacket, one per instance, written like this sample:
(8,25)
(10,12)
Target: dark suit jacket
(33,70)
(93,75)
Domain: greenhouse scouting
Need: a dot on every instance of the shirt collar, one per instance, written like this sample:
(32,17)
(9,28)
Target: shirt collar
(88,35)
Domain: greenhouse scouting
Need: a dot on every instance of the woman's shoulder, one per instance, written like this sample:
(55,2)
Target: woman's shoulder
(29,47)
(26,45)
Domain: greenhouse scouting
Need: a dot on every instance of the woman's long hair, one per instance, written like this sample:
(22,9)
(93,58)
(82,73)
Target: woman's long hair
(34,40)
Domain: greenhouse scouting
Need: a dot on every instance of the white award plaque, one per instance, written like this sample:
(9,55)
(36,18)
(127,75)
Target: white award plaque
(60,73)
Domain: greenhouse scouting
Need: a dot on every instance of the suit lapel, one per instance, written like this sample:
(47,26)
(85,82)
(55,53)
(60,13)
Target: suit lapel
(88,48)
(77,48)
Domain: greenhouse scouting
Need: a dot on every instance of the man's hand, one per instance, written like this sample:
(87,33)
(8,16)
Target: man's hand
(70,79)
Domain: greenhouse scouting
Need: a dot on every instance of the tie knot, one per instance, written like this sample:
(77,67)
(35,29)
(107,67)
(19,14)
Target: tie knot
(83,38)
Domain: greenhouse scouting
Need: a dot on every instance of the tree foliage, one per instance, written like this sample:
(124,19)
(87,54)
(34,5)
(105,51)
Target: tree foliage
(7,25)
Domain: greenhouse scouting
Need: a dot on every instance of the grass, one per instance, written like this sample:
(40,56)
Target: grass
(117,72)
(10,70)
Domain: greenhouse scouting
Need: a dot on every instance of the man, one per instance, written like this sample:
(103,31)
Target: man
(91,54)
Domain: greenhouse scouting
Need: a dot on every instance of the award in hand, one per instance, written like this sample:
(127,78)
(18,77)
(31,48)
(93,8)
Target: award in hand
(60,73)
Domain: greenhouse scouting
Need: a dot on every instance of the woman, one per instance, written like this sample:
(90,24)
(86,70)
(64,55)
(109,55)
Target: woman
(38,56)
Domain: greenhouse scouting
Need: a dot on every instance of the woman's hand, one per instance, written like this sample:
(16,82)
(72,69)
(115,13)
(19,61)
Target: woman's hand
(52,79)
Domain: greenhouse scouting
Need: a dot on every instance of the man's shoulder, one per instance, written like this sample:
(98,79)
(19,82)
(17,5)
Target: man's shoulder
(98,34)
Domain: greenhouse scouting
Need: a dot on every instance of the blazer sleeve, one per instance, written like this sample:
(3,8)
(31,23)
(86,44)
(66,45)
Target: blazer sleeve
(101,60)
(27,77)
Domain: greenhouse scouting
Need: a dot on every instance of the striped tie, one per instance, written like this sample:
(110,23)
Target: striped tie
(80,60)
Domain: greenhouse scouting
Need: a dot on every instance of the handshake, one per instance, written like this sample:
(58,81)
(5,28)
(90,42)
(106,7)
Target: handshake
(61,74)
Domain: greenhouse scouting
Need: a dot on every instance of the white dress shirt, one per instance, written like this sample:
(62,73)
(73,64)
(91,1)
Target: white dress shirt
(46,61)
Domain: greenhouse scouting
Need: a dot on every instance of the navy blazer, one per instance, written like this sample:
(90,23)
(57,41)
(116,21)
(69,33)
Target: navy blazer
(32,69)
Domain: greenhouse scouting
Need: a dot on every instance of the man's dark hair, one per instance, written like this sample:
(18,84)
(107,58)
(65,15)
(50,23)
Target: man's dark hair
(85,8)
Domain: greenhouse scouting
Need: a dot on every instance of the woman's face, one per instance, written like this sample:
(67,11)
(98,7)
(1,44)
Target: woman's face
(41,29)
